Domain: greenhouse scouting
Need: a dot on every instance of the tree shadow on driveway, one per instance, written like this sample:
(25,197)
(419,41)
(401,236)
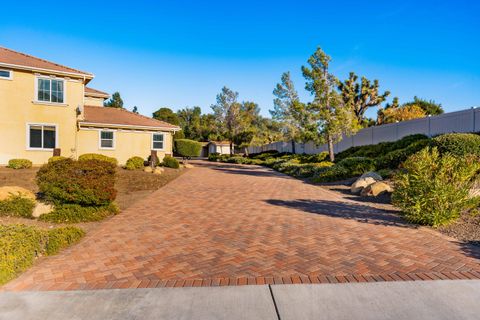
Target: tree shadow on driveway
(345,210)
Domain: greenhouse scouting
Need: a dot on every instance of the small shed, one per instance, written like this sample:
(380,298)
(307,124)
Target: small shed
(221,147)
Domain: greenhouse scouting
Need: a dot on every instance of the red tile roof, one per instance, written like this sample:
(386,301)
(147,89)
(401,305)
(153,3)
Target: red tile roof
(15,58)
(95,92)
(121,117)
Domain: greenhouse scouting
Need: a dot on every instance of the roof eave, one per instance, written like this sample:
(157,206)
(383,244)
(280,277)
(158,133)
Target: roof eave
(127,126)
(86,76)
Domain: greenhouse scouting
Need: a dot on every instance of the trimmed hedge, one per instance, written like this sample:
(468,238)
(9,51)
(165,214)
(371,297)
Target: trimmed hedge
(17,206)
(188,148)
(61,238)
(56,158)
(394,159)
(86,182)
(357,166)
(134,163)
(333,173)
(170,162)
(434,189)
(99,157)
(74,213)
(19,164)
(459,144)
(20,245)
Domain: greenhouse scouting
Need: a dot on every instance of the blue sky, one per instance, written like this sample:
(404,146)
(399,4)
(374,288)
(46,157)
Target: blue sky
(180,53)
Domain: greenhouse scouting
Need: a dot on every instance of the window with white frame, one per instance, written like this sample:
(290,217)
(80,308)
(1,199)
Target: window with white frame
(5,74)
(158,139)
(42,136)
(107,139)
(50,90)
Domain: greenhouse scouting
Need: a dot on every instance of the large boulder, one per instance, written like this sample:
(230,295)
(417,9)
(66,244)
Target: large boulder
(373,175)
(148,169)
(361,183)
(376,189)
(41,208)
(9,191)
(158,170)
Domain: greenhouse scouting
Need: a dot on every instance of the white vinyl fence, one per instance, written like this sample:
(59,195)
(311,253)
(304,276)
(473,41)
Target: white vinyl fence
(459,121)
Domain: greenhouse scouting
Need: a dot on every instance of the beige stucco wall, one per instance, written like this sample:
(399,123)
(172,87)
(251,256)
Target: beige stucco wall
(91,101)
(17,109)
(128,143)
(221,149)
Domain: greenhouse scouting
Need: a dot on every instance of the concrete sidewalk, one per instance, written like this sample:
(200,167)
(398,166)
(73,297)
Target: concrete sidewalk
(448,299)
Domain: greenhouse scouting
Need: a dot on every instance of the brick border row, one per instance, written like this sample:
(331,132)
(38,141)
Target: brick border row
(240,281)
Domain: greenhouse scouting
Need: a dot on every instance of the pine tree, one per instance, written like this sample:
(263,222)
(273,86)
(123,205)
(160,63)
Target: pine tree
(114,102)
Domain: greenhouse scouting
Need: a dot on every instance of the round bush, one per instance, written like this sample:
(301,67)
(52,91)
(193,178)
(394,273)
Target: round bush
(86,182)
(96,156)
(134,163)
(357,165)
(434,189)
(170,162)
(19,164)
(56,158)
(188,148)
(394,159)
(459,144)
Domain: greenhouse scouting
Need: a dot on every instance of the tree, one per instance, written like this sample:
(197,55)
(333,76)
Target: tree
(333,118)
(430,107)
(115,101)
(227,114)
(402,113)
(288,109)
(167,115)
(381,112)
(249,118)
(190,121)
(135,109)
(361,96)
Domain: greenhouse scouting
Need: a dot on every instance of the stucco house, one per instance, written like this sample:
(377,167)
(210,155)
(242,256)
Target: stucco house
(221,147)
(45,106)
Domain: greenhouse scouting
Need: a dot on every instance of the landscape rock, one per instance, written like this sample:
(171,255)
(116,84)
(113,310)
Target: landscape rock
(41,208)
(158,170)
(475,190)
(148,169)
(361,183)
(188,166)
(376,189)
(9,191)
(373,175)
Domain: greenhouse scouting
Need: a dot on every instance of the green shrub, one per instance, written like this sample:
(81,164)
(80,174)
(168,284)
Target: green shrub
(357,165)
(86,182)
(74,213)
(188,148)
(56,158)
(329,174)
(393,159)
(264,155)
(213,156)
(99,157)
(386,173)
(408,140)
(433,189)
(19,246)
(19,164)
(170,162)
(459,144)
(17,206)
(312,158)
(135,163)
(61,238)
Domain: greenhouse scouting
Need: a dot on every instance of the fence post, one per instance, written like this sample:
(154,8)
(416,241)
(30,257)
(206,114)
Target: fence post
(429,129)
(473,116)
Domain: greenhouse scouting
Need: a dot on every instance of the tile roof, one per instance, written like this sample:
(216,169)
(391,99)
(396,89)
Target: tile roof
(16,58)
(121,117)
(95,92)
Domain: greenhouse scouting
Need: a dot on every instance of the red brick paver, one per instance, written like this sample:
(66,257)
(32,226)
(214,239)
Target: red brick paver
(222,224)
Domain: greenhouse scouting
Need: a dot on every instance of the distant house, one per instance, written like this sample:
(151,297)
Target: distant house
(45,106)
(221,147)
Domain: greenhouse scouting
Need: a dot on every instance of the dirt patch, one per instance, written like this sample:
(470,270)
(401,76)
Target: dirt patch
(466,229)
(132,186)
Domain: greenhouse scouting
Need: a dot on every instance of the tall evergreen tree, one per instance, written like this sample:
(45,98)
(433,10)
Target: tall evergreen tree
(333,117)
(429,106)
(288,109)
(115,101)
(227,114)
(135,110)
(167,115)
(361,95)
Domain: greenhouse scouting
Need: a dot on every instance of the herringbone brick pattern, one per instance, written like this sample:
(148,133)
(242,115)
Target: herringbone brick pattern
(222,224)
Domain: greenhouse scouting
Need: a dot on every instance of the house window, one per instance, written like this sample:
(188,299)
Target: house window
(5,74)
(157,141)
(107,140)
(42,136)
(50,90)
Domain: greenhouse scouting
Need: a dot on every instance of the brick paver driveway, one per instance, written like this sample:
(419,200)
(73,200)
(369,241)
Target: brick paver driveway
(222,224)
